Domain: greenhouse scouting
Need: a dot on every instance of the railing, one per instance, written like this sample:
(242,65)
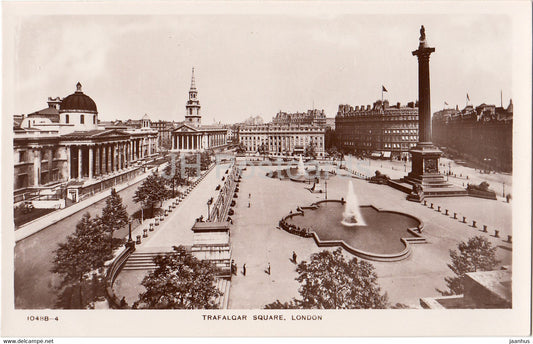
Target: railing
(221,206)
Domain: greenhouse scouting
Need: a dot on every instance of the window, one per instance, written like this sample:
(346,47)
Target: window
(22,156)
(67,118)
(94,119)
(82,119)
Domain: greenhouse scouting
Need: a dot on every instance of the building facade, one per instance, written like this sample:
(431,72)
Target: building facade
(164,133)
(192,136)
(483,135)
(311,117)
(63,146)
(379,130)
(282,140)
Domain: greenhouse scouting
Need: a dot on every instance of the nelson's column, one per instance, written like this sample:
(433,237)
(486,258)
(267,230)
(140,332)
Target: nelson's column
(424,175)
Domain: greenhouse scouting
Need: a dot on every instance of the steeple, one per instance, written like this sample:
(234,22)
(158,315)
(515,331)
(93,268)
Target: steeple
(193,83)
(192,115)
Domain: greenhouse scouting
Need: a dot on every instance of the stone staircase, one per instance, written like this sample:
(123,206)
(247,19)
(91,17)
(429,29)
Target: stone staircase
(141,261)
(223,284)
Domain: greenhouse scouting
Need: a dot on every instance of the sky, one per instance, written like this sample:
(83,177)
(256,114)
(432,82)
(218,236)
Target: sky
(249,65)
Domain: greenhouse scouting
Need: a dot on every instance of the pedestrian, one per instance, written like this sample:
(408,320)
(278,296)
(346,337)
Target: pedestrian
(268,268)
(248,204)
(294,257)
(249,195)
(244,269)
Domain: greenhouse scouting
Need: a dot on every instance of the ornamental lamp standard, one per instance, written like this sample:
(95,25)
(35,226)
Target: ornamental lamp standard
(326,185)
(209,202)
(130,242)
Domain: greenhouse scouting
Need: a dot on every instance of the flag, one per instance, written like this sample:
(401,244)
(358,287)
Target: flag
(467,97)
(445,103)
(383,89)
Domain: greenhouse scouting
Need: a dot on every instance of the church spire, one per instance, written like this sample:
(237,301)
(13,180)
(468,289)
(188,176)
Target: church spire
(192,108)
(193,83)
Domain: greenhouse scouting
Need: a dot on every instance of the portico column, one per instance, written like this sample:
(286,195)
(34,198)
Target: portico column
(69,162)
(97,160)
(109,158)
(149,146)
(119,156)
(116,157)
(122,155)
(90,162)
(79,162)
(103,167)
(187,141)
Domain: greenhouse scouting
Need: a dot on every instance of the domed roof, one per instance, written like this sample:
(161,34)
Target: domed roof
(78,102)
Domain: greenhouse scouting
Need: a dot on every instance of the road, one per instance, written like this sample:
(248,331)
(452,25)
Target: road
(501,183)
(34,283)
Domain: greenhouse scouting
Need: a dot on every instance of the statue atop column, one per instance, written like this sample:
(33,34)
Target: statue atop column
(422,34)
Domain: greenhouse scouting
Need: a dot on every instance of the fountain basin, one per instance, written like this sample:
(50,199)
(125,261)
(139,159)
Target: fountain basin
(386,236)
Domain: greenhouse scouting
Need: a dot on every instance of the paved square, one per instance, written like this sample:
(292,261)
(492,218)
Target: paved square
(257,240)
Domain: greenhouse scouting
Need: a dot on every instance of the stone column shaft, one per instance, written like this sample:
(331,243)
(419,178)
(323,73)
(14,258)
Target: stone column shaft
(79,162)
(90,162)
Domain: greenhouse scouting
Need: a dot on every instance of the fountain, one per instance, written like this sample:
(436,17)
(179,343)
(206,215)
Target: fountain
(301,167)
(352,214)
(363,230)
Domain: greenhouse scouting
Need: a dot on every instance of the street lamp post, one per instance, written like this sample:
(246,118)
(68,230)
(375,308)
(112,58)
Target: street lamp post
(129,232)
(326,184)
(209,202)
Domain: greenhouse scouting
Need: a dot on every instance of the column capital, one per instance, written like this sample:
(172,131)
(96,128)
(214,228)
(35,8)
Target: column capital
(423,52)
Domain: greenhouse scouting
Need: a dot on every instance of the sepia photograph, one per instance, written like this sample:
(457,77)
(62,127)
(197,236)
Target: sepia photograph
(266,169)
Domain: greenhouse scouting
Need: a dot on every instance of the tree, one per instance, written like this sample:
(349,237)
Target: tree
(180,281)
(84,251)
(173,174)
(114,215)
(153,190)
(192,166)
(328,281)
(205,159)
(477,254)
(263,150)
(310,151)
(241,148)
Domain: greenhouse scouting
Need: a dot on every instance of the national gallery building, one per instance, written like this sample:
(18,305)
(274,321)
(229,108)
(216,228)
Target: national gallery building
(63,152)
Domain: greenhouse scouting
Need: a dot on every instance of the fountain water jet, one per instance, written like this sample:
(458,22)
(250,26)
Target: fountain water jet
(352,214)
(301,167)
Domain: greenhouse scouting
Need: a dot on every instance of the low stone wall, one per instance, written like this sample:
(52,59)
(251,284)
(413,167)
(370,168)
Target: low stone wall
(112,273)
